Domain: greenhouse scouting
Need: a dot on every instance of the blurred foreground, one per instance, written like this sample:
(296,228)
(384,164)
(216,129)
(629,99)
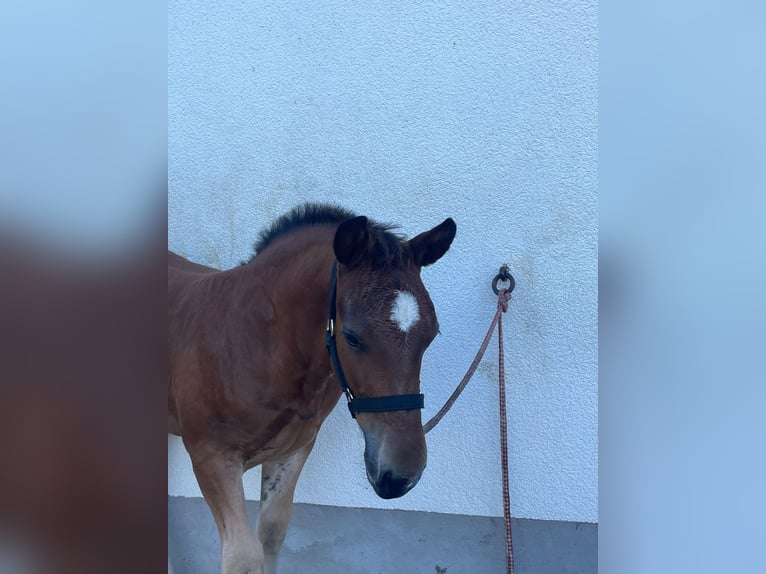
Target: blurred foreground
(82,336)
(82,409)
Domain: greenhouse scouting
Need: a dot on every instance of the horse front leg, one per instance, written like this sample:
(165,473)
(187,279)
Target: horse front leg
(220,478)
(278,480)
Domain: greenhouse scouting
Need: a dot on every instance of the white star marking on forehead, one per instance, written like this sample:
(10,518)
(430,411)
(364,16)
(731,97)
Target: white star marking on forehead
(405,311)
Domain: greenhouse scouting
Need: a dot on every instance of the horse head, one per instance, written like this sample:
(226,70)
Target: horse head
(385,322)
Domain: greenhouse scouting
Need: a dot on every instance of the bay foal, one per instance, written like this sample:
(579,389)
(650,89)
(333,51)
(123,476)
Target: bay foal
(251,380)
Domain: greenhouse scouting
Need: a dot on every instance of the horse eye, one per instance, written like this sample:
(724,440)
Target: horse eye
(352,340)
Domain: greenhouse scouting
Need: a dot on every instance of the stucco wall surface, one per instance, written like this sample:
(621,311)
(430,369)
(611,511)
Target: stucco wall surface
(409,113)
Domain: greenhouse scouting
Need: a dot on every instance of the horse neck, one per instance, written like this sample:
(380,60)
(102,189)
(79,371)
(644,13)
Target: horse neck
(294,275)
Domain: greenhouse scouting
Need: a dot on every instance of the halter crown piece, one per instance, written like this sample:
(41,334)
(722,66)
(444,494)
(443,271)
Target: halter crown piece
(360,404)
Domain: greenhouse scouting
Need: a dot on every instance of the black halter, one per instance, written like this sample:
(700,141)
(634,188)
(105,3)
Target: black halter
(361,404)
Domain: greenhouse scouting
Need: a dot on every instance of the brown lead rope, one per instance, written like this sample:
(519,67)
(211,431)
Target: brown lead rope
(503,296)
(504,436)
(472,369)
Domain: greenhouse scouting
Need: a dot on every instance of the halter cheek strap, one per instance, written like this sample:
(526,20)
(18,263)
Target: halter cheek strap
(360,404)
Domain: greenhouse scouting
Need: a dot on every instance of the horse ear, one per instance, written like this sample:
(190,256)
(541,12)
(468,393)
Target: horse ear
(351,241)
(428,247)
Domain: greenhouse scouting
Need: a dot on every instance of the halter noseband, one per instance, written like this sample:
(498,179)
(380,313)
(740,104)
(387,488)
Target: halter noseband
(360,404)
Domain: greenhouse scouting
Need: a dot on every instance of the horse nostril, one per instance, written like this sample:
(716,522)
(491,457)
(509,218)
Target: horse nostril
(390,487)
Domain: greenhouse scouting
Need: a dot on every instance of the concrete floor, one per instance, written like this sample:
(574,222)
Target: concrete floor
(331,540)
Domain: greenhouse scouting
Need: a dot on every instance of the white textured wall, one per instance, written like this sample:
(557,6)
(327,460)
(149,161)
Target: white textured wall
(483,112)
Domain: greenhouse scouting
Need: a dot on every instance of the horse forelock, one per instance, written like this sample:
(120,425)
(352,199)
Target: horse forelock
(389,250)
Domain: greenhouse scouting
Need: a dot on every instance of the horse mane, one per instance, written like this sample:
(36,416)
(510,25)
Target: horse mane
(390,249)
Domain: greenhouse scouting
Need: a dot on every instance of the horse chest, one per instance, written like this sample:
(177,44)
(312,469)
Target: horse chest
(289,424)
(279,443)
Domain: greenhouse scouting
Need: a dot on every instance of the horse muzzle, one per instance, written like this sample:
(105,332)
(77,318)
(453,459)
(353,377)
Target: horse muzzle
(389,482)
(389,485)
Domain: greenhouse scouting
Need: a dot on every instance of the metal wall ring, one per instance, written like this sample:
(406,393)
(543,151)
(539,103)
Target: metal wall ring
(503,275)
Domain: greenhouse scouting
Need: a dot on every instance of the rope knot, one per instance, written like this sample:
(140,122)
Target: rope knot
(502,300)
